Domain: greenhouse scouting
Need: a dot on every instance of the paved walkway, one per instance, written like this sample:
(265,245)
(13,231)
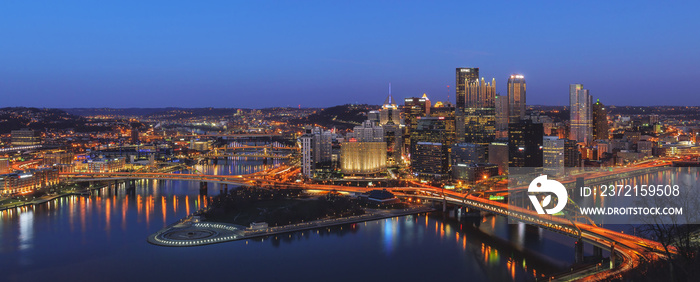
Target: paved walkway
(188,234)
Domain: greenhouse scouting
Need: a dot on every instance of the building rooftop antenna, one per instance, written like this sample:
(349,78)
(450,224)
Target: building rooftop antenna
(448,93)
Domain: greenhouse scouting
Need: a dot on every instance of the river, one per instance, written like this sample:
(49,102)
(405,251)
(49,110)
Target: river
(103,238)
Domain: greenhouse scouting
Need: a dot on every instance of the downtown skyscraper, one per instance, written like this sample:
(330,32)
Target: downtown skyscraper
(475,112)
(502,116)
(516,98)
(600,121)
(580,106)
(465,76)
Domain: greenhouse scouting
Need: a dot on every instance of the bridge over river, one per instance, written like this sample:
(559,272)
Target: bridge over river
(630,249)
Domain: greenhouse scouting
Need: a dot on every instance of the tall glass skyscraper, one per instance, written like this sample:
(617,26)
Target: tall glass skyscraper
(600,121)
(502,115)
(580,103)
(516,98)
(465,76)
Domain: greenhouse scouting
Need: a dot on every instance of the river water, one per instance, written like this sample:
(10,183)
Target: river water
(103,238)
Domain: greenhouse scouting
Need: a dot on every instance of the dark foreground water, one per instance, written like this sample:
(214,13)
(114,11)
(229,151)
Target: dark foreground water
(103,238)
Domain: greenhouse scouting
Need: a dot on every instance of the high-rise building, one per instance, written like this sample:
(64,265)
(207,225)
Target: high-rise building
(479,114)
(516,97)
(525,144)
(653,119)
(580,114)
(498,155)
(600,121)
(430,160)
(414,108)
(25,137)
(316,151)
(553,155)
(374,116)
(644,147)
(467,153)
(446,115)
(394,143)
(61,159)
(426,102)
(431,130)
(365,150)
(502,115)
(135,136)
(362,158)
(367,132)
(572,154)
(472,173)
(390,112)
(465,77)
(603,148)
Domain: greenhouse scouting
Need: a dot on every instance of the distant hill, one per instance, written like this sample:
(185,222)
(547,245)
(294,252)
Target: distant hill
(341,117)
(126,112)
(687,112)
(43,119)
(171,112)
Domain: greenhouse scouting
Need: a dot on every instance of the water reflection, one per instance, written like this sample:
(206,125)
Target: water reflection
(491,254)
(26,230)
(109,228)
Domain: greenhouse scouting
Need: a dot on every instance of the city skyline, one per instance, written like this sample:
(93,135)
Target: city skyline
(224,54)
(178,140)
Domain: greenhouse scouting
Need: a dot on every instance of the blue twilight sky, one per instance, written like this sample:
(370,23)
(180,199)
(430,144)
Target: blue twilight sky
(322,53)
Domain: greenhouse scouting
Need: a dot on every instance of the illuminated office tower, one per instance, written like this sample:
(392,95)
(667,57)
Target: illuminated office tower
(580,114)
(553,155)
(525,144)
(362,158)
(364,151)
(502,115)
(316,150)
(431,130)
(374,116)
(367,132)
(446,114)
(389,112)
(394,143)
(516,97)
(135,136)
(498,155)
(414,108)
(572,155)
(465,77)
(600,121)
(479,113)
(426,102)
(466,153)
(430,160)
(390,122)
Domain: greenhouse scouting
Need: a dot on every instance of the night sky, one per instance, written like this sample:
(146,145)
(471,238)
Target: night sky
(261,54)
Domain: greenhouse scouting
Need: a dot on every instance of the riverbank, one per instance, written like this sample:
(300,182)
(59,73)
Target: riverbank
(189,233)
(12,203)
